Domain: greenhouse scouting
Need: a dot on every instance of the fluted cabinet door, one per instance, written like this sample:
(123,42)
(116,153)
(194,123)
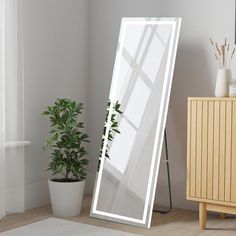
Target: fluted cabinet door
(211,150)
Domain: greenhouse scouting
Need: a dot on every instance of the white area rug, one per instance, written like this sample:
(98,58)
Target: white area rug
(58,227)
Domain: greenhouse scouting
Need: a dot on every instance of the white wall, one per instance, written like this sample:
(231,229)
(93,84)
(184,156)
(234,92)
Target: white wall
(195,70)
(56,65)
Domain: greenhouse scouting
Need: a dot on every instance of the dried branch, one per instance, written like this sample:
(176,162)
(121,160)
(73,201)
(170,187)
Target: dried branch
(222,53)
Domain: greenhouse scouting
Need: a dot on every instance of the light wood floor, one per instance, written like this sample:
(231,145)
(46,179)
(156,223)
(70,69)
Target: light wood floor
(177,223)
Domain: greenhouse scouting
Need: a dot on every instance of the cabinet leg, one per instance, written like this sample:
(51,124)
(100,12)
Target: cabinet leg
(202,215)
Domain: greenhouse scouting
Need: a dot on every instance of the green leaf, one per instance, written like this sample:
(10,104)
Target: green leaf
(46,113)
(116,130)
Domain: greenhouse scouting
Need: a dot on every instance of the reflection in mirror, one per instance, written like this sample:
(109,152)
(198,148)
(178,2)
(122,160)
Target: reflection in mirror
(135,120)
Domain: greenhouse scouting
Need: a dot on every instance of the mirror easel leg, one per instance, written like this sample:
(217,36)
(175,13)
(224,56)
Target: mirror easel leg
(168,179)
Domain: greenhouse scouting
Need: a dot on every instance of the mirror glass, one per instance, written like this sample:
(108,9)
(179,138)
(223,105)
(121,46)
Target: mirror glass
(135,120)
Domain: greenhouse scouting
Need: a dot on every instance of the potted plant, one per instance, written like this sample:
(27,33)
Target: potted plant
(68,162)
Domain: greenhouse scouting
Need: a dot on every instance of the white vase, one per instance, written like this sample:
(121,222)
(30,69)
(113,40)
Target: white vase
(66,197)
(222,82)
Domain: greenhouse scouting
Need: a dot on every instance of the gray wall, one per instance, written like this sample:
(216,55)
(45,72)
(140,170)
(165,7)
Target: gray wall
(56,65)
(57,35)
(195,70)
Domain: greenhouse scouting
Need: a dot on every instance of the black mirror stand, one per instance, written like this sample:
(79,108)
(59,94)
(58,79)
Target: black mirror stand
(168,176)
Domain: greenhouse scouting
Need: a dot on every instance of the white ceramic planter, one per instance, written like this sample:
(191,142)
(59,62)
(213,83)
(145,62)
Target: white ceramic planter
(222,82)
(66,198)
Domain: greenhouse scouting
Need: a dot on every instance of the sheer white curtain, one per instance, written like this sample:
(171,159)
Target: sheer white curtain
(2,109)
(12,192)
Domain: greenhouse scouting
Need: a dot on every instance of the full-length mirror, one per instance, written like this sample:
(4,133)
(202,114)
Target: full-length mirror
(135,121)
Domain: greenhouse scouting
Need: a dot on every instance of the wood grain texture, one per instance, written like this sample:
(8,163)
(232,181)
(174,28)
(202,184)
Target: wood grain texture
(222,151)
(204,148)
(210,147)
(211,155)
(188,147)
(216,150)
(230,204)
(220,208)
(233,166)
(212,99)
(199,150)
(228,156)
(192,184)
(202,215)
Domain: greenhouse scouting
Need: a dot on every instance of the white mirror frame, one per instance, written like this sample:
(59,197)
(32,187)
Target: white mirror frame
(156,155)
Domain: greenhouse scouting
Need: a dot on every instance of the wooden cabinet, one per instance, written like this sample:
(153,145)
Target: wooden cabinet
(211,155)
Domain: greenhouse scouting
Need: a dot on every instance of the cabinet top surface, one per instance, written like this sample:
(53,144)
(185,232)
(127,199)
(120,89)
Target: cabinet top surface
(212,98)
